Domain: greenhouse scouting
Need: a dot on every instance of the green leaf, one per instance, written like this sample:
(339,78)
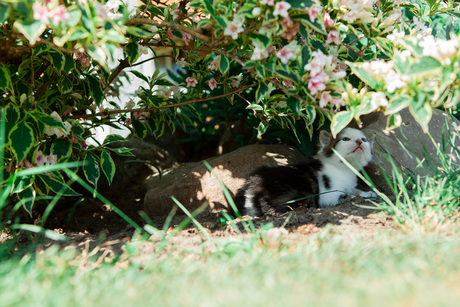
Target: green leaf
(124,151)
(65,86)
(28,198)
(363,75)
(113,138)
(95,89)
(11,114)
(311,114)
(48,120)
(132,50)
(91,169)
(139,129)
(255,107)
(209,7)
(108,166)
(423,66)
(224,64)
(261,129)
(340,121)
(397,104)
(58,60)
(20,183)
(305,55)
(97,53)
(139,75)
(287,74)
(301,4)
(294,105)
(394,121)
(4,12)
(222,21)
(5,78)
(21,140)
(264,40)
(57,186)
(77,34)
(31,29)
(262,91)
(69,64)
(421,110)
(61,148)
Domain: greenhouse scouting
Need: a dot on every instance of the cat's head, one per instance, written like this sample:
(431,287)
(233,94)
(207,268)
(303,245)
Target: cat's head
(352,144)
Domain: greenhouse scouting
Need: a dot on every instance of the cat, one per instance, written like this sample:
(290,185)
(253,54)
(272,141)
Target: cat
(320,182)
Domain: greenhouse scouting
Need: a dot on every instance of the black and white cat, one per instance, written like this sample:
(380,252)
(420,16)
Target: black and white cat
(325,178)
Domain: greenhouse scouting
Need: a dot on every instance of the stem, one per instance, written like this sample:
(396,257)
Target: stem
(111,112)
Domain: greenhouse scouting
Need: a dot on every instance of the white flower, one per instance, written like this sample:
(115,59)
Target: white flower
(256,11)
(260,52)
(393,81)
(281,9)
(235,27)
(378,99)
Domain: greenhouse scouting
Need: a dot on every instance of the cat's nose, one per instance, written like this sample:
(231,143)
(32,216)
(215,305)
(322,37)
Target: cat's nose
(359,142)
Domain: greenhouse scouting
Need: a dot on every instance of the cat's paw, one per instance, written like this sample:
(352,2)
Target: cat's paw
(366,194)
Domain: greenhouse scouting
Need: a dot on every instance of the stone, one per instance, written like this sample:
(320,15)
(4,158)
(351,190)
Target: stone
(192,184)
(408,144)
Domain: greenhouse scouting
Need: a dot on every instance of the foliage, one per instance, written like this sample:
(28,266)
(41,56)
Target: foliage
(428,197)
(285,61)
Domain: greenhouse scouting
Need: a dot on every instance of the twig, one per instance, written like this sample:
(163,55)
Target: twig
(111,112)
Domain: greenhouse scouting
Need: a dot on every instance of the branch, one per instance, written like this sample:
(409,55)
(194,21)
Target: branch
(167,24)
(112,112)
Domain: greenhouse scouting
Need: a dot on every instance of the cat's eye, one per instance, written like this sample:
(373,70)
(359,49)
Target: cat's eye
(364,140)
(346,139)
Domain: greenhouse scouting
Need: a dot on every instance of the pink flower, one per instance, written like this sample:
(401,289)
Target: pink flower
(215,64)
(28,164)
(191,82)
(40,158)
(10,168)
(233,29)
(212,84)
(327,20)
(186,37)
(288,83)
(287,53)
(291,31)
(51,159)
(281,9)
(41,13)
(169,34)
(325,98)
(59,14)
(313,12)
(316,83)
(333,37)
(268,2)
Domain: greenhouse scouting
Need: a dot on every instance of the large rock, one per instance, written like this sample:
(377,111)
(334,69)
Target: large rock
(409,144)
(192,184)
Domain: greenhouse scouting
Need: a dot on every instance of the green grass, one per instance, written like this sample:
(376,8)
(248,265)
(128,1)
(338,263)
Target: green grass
(389,270)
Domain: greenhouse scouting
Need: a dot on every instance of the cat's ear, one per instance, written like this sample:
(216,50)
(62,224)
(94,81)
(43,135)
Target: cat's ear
(371,141)
(325,138)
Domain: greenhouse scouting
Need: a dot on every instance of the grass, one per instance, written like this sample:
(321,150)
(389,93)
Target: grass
(323,270)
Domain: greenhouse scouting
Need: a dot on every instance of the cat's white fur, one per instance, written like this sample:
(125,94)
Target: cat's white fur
(356,149)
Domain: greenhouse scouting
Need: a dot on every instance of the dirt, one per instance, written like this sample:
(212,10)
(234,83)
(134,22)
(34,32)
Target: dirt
(97,231)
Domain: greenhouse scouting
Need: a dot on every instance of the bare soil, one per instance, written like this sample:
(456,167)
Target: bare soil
(96,230)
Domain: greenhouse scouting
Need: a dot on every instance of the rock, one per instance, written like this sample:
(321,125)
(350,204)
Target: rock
(409,136)
(192,184)
(132,171)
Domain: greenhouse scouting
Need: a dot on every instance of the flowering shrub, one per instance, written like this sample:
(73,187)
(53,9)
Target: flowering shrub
(287,61)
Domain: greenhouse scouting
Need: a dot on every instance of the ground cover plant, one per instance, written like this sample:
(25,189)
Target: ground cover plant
(292,64)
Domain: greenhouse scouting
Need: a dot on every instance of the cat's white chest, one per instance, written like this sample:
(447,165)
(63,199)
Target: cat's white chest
(333,183)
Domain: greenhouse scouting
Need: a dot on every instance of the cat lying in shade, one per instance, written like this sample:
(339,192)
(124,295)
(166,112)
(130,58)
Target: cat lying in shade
(325,177)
